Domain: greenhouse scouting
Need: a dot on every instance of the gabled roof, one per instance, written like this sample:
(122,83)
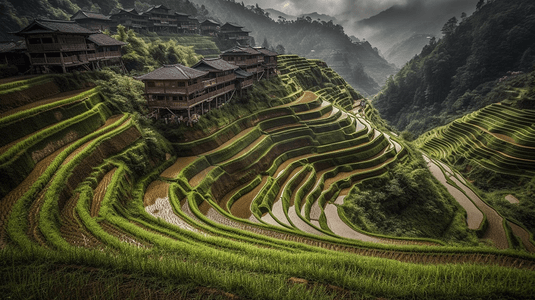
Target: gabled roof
(172,72)
(240,50)
(266,52)
(13,46)
(208,64)
(161,6)
(80,15)
(231,25)
(53,26)
(243,74)
(210,22)
(103,40)
(118,11)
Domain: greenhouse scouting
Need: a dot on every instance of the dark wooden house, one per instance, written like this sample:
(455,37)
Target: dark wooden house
(129,18)
(161,19)
(57,45)
(235,32)
(178,88)
(247,58)
(270,62)
(210,28)
(92,21)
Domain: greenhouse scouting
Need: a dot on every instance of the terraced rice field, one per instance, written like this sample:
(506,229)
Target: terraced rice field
(498,138)
(276,183)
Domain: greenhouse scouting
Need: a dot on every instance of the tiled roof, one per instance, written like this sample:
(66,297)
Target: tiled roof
(89,15)
(207,64)
(267,52)
(172,72)
(103,40)
(232,25)
(241,50)
(157,7)
(243,74)
(42,26)
(210,22)
(15,46)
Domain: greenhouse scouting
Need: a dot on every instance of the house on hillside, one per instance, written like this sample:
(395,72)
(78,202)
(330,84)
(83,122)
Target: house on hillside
(187,24)
(92,21)
(247,58)
(210,28)
(15,53)
(188,91)
(230,31)
(226,73)
(270,62)
(129,18)
(160,19)
(54,45)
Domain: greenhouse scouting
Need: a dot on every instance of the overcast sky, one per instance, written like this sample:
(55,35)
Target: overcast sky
(361,8)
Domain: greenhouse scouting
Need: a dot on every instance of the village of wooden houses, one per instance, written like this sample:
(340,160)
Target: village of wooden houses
(178,91)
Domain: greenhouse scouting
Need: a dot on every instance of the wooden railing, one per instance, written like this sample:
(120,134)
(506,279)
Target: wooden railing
(185,104)
(58,47)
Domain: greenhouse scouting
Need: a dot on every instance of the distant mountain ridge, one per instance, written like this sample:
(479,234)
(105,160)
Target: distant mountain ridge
(359,63)
(452,77)
(400,22)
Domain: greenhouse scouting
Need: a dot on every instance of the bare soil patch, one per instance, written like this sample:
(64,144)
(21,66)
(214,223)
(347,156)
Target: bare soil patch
(122,235)
(512,199)
(195,180)
(232,140)
(307,96)
(11,198)
(156,189)
(48,100)
(523,235)
(100,191)
(181,162)
(242,207)
(72,229)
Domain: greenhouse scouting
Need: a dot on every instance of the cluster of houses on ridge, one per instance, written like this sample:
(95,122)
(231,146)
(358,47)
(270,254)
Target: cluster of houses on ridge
(53,45)
(183,91)
(162,20)
(43,51)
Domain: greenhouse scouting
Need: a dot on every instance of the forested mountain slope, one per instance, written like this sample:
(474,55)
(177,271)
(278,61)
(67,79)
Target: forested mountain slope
(312,39)
(450,78)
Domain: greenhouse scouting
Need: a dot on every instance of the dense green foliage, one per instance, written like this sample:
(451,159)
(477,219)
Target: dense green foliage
(140,56)
(407,202)
(450,76)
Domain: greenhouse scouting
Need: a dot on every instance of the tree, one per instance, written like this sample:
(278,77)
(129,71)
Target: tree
(265,44)
(450,26)
(280,49)
(480,4)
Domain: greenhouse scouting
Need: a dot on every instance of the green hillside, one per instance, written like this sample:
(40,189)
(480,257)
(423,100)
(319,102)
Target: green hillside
(96,203)
(453,76)
(494,149)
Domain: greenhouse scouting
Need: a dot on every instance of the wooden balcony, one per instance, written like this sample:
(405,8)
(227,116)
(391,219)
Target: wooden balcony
(58,47)
(246,83)
(190,103)
(225,78)
(175,90)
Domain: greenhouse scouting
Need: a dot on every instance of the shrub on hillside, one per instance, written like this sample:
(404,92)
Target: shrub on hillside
(8,71)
